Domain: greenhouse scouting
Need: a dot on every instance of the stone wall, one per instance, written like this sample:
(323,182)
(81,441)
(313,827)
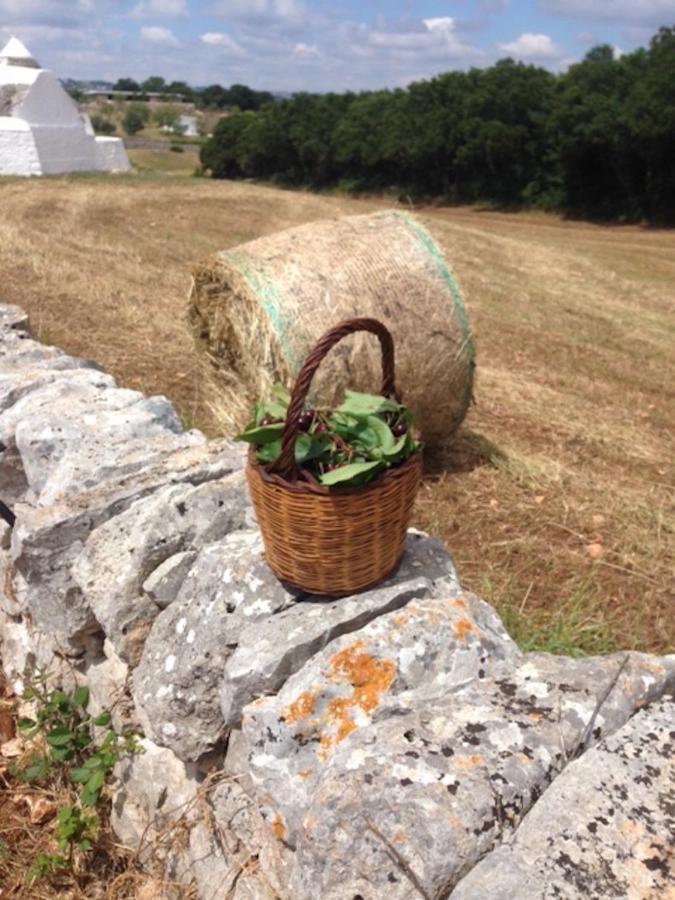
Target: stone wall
(393,744)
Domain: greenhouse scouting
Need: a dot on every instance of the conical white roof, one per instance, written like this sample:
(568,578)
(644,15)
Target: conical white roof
(15,54)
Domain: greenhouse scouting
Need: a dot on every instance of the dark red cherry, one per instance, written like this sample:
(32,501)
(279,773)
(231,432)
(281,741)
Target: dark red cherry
(305,421)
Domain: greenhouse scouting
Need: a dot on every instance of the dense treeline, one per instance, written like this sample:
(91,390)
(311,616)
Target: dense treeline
(215,96)
(598,140)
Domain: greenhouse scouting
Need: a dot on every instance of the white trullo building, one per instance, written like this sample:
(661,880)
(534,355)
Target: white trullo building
(41,130)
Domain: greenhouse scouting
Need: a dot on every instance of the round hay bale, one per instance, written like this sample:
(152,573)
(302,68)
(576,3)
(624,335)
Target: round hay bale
(258,309)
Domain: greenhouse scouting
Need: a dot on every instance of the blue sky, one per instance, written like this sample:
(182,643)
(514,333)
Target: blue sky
(291,45)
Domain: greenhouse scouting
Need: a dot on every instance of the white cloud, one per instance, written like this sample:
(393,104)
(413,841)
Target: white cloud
(160,9)
(306,51)
(442,23)
(213,37)
(157,34)
(532,47)
(435,38)
(223,41)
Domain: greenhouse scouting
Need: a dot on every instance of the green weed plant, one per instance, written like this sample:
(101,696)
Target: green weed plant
(71,745)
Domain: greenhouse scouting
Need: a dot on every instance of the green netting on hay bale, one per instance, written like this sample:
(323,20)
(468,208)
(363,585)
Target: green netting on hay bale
(258,309)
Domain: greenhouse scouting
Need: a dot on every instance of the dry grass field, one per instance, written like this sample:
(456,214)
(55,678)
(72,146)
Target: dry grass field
(555,499)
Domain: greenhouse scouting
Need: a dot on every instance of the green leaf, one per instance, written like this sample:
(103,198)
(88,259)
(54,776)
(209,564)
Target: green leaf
(359,405)
(384,434)
(269,453)
(103,719)
(62,753)
(64,814)
(281,395)
(351,474)
(80,776)
(59,737)
(262,434)
(272,410)
(311,446)
(398,448)
(81,696)
(24,724)
(37,770)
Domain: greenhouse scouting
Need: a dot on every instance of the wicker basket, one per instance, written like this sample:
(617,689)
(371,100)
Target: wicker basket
(339,541)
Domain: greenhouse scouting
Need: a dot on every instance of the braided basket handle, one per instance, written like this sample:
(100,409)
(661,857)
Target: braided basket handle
(285,465)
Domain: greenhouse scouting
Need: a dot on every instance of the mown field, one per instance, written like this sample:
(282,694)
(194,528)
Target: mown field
(555,499)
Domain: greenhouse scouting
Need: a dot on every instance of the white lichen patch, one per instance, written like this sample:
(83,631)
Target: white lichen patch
(538,689)
(252,583)
(419,774)
(259,608)
(180,625)
(508,737)
(356,759)
(170,663)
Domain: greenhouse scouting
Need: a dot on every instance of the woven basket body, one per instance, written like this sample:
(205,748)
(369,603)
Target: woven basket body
(335,543)
(340,541)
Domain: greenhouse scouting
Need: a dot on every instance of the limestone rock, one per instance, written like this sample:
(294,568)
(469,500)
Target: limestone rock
(232,842)
(17,383)
(272,650)
(428,733)
(108,682)
(604,828)
(74,433)
(13,318)
(25,649)
(46,541)
(177,683)
(164,583)
(155,793)
(441,644)
(121,553)
(20,392)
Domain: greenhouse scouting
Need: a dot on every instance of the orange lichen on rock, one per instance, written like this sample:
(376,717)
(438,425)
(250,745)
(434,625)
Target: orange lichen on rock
(304,773)
(337,714)
(459,603)
(299,709)
(462,628)
(278,828)
(468,762)
(368,677)
(400,837)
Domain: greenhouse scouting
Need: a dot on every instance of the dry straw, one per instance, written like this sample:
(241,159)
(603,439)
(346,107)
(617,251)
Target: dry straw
(257,310)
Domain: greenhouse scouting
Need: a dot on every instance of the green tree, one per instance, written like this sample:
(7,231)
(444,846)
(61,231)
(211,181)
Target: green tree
(101,125)
(590,132)
(181,87)
(126,84)
(167,115)
(650,119)
(155,84)
(135,118)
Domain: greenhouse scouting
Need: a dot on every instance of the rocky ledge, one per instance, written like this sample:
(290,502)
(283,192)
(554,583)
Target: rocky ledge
(396,743)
